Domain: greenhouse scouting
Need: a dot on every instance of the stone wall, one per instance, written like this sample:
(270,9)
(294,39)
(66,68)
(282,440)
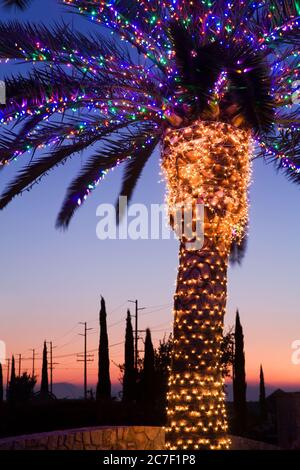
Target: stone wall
(108,438)
(100,438)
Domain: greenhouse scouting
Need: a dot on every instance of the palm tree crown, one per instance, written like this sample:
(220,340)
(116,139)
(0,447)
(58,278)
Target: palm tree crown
(215,60)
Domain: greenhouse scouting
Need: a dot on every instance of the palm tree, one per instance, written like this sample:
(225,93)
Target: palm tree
(212,81)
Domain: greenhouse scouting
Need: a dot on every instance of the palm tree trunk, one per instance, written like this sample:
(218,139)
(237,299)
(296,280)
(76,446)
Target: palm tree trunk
(197,414)
(207,163)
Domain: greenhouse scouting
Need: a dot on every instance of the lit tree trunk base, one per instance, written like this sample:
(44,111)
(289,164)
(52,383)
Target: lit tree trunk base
(196,401)
(206,163)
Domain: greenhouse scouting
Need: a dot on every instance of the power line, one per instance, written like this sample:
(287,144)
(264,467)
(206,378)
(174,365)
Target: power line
(58,338)
(20,361)
(74,340)
(52,364)
(33,362)
(136,331)
(93,320)
(154,311)
(86,358)
(89,351)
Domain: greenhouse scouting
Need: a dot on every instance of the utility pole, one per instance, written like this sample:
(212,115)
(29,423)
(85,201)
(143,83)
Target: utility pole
(52,364)
(33,360)
(136,332)
(51,367)
(86,358)
(20,361)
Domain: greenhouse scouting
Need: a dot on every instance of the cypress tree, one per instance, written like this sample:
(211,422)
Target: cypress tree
(163,355)
(239,379)
(12,383)
(129,380)
(44,392)
(262,395)
(148,378)
(104,386)
(1,383)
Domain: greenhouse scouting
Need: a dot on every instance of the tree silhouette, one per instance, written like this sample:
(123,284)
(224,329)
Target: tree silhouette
(239,379)
(44,391)
(227,350)
(163,355)
(24,386)
(129,378)
(148,373)
(1,384)
(262,395)
(103,386)
(11,392)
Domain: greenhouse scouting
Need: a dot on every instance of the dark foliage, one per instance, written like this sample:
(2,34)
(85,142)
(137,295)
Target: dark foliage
(262,396)
(227,350)
(249,78)
(114,152)
(162,361)
(20,4)
(239,380)
(129,378)
(44,390)
(103,391)
(1,384)
(238,250)
(24,388)
(11,390)
(148,374)
(133,170)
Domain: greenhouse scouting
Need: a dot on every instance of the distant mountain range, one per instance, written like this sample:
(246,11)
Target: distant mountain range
(252,391)
(69,390)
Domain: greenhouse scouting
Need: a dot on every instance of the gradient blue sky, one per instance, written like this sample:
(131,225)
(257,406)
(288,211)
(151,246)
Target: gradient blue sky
(52,280)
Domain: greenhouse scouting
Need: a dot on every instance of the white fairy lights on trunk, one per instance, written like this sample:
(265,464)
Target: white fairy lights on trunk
(207,163)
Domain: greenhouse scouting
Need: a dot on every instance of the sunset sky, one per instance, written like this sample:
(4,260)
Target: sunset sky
(51,280)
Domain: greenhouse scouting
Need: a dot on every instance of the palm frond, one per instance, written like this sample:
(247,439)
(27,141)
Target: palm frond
(134,168)
(20,4)
(283,150)
(58,43)
(53,89)
(199,67)
(34,171)
(114,152)
(125,18)
(183,45)
(278,12)
(238,251)
(250,84)
(248,75)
